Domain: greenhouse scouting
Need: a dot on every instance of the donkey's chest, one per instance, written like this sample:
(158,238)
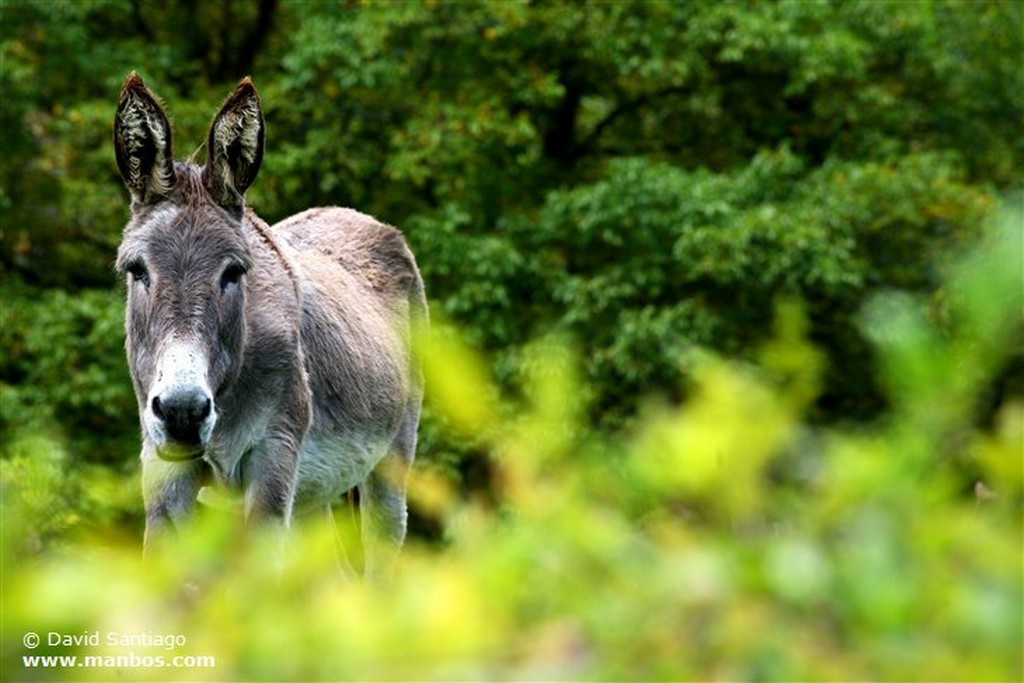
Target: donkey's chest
(339,450)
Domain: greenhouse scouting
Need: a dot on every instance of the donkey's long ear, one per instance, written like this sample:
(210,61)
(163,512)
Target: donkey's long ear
(142,142)
(235,147)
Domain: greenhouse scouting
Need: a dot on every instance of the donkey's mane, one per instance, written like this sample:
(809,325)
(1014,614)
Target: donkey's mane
(191,185)
(260,227)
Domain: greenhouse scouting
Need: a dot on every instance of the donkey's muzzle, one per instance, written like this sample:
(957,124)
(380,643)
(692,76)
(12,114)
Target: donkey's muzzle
(183,414)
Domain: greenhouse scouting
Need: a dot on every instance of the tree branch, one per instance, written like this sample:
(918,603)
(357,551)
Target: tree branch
(140,22)
(255,38)
(560,136)
(623,109)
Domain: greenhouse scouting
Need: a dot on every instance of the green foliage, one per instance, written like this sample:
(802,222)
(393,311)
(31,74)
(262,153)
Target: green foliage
(740,449)
(646,176)
(670,553)
(45,509)
(63,364)
(696,259)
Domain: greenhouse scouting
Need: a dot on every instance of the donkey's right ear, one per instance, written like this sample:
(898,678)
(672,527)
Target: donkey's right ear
(142,142)
(235,147)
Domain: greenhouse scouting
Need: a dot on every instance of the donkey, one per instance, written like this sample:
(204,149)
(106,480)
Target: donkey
(272,360)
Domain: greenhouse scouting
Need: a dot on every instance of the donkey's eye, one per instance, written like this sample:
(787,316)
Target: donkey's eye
(138,272)
(232,274)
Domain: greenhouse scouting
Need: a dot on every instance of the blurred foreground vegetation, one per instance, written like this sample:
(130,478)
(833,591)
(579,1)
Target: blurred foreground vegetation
(712,385)
(726,538)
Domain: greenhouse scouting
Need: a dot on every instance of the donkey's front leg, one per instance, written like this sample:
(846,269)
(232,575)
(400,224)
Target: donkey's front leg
(269,477)
(169,490)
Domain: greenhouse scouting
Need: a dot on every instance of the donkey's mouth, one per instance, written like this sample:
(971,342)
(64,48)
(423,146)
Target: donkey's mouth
(176,451)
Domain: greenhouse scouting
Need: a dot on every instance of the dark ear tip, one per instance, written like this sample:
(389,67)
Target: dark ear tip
(133,82)
(244,89)
(134,87)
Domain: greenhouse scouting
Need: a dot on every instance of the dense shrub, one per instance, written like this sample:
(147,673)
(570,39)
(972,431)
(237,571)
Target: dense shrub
(660,261)
(63,369)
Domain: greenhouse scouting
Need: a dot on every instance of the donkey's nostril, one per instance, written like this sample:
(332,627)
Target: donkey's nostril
(183,413)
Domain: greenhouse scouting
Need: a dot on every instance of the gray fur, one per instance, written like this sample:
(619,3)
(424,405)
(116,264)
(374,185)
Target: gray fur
(273,360)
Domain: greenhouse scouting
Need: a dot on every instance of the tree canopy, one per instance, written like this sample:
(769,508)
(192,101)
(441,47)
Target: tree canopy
(646,177)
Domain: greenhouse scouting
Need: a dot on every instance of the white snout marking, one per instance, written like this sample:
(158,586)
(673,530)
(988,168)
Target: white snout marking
(182,367)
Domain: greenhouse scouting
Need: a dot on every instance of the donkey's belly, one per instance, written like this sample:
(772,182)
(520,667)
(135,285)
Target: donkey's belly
(329,465)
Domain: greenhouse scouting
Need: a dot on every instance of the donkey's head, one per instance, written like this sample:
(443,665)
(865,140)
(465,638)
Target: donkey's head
(185,256)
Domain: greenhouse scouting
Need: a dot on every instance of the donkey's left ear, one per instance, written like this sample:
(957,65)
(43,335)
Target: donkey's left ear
(142,142)
(235,147)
